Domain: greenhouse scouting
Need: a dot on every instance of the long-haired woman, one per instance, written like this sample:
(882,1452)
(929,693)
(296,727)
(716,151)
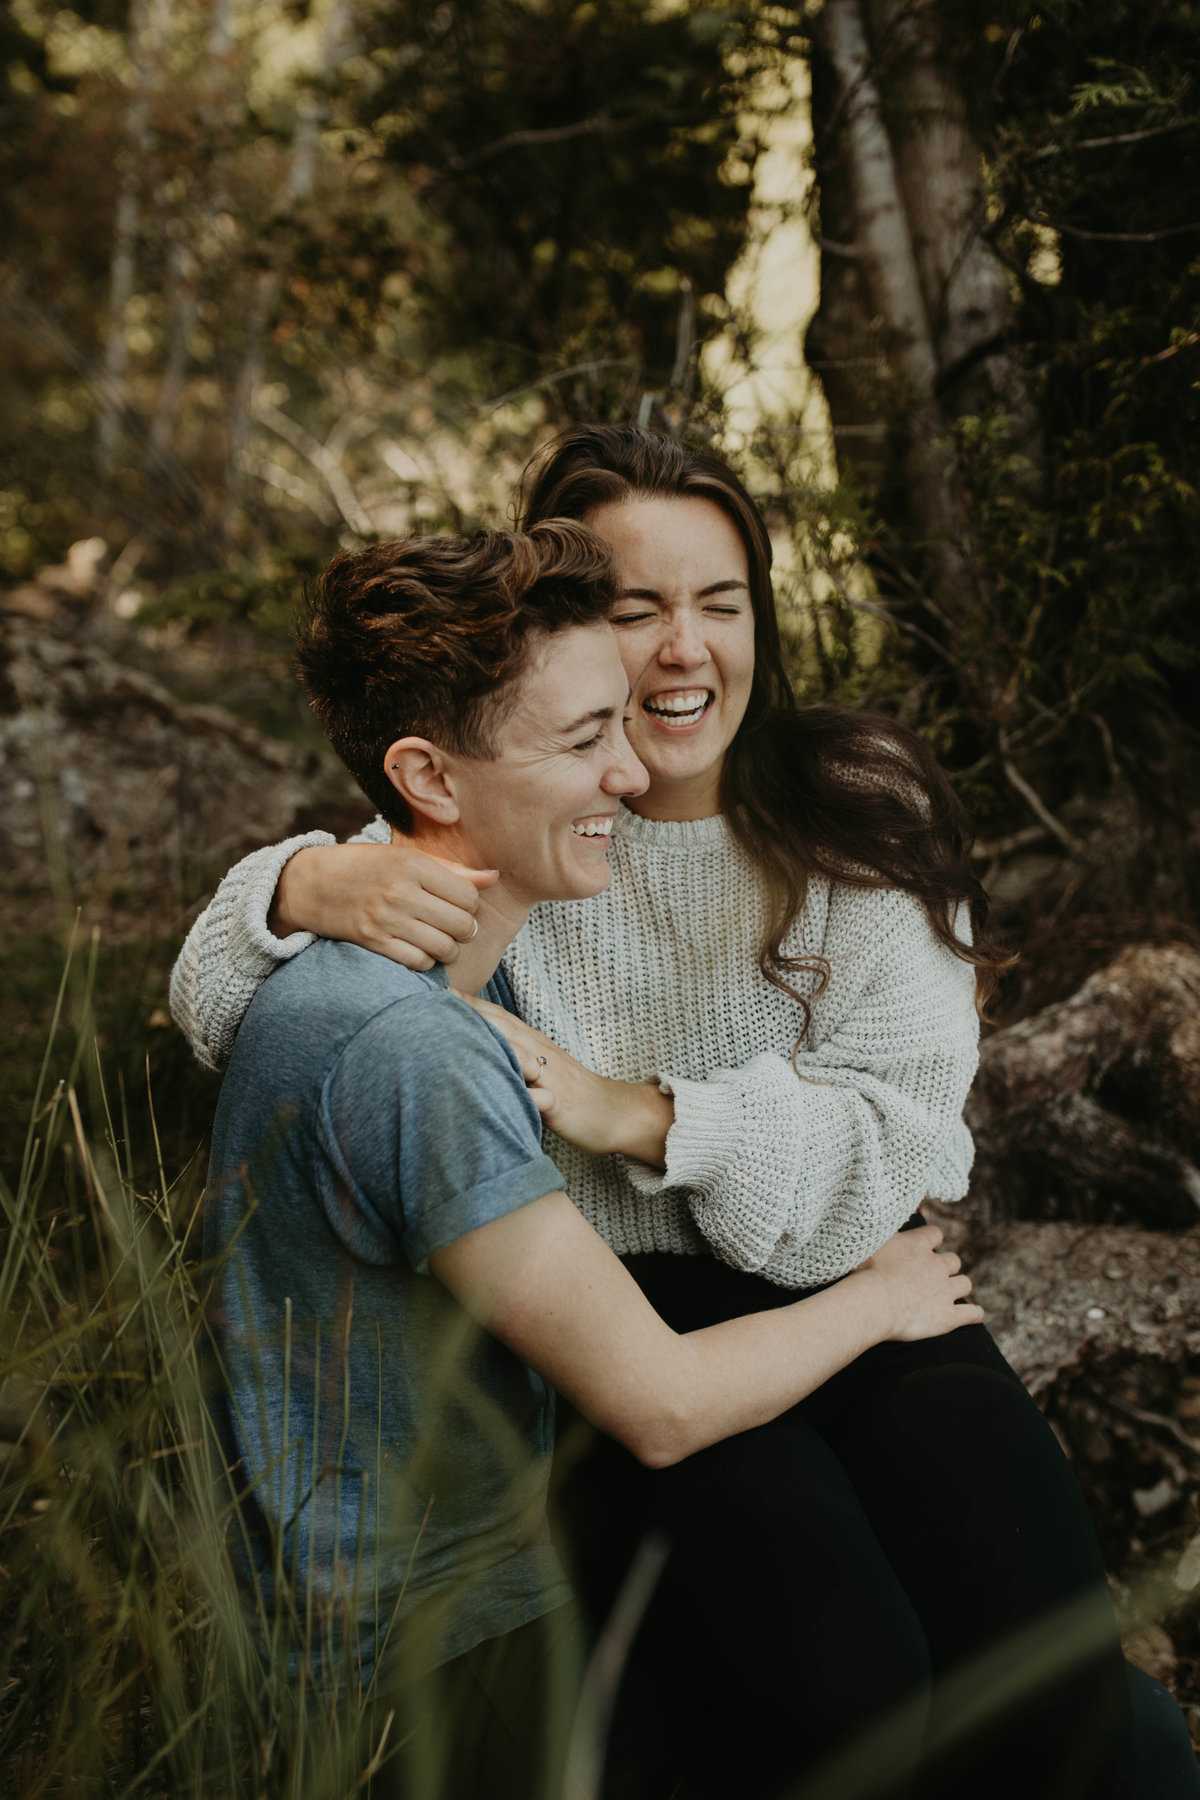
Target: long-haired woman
(751,1053)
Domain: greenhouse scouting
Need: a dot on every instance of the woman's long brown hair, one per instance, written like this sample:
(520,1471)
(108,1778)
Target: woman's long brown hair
(808,790)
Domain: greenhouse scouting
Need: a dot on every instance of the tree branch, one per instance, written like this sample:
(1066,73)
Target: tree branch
(1120,137)
(1112,237)
(1034,800)
(583,368)
(597,126)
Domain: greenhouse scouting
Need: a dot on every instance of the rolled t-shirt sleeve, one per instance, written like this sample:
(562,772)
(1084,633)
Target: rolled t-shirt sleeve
(426,1117)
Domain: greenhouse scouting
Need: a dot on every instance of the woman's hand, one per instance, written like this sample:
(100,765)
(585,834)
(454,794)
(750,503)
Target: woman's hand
(390,898)
(923,1287)
(600,1115)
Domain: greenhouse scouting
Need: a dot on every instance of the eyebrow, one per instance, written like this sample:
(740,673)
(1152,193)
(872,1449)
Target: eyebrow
(715,587)
(594,718)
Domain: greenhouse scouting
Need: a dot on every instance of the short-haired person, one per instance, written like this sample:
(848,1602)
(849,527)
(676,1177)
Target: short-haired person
(403,1283)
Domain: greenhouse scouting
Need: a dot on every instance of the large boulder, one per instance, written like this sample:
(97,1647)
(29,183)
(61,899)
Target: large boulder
(119,797)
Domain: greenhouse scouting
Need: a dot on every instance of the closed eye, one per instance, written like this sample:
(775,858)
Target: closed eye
(629,618)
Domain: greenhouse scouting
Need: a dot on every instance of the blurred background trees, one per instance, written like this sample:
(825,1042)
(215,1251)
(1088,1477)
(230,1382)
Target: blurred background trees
(283,275)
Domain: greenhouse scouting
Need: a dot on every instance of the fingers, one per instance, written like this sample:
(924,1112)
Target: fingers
(479,878)
(420,949)
(960,1286)
(441,914)
(398,950)
(532,1067)
(969,1314)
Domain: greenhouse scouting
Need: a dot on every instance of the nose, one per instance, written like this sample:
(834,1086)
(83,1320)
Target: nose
(682,647)
(625,775)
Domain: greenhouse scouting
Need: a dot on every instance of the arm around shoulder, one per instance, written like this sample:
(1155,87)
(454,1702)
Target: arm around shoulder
(231,949)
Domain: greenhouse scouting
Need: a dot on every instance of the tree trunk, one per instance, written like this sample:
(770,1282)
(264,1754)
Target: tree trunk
(182,273)
(297,186)
(149,30)
(883,240)
(966,288)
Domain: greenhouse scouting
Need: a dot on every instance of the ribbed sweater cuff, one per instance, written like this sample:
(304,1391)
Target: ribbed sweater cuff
(702,1144)
(254,950)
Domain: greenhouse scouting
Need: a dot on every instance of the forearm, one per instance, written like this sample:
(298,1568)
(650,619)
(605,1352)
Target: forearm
(728,1378)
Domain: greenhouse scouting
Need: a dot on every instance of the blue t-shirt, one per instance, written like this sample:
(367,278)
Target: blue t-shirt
(393,1454)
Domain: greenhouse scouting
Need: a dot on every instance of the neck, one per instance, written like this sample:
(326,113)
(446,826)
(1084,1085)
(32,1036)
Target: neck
(673,801)
(500,916)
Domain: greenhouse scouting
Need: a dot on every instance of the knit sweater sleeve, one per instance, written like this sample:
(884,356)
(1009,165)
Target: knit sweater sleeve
(231,949)
(835,1158)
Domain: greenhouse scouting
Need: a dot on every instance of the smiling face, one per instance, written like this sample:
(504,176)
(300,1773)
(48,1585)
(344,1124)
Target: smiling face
(541,809)
(685,626)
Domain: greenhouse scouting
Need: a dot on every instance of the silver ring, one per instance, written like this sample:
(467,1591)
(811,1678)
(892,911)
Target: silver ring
(474,932)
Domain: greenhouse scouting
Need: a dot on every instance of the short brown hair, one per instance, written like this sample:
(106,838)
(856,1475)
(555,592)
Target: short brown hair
(427,636)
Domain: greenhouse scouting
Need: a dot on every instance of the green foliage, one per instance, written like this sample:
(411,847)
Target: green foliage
(496,193)
(1067,669)
(127,1011)
(577,158)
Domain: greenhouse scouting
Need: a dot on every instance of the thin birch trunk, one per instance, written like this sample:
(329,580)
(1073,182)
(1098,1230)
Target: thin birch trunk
(149,30)
(885,245)
(297,186)
(966,289)
(182,273)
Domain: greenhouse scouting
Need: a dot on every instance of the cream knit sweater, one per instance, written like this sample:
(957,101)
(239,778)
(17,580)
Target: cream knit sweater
(799,1178)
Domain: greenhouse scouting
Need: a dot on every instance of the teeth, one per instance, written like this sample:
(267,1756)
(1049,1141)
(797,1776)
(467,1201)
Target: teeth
(689,705)
(594,828)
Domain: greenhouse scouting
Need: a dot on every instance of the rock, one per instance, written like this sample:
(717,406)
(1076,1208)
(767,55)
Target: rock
(119,796)
(1090,1109)
(1059,1297)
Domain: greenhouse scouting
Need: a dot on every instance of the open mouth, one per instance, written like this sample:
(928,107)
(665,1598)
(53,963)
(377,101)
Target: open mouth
(599,827)
(686,706)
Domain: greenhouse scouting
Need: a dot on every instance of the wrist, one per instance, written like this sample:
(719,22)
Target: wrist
(642,1117)
(875,1302)
(291,908)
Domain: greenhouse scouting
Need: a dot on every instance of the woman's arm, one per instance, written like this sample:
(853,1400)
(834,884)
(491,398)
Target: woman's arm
(545,1285)
(389,898)
(797,1176)
(600,1115)
(231,949)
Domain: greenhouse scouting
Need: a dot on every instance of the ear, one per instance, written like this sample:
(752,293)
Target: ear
(420,774)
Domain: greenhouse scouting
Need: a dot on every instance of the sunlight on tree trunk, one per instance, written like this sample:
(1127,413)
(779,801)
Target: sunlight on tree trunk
(884,239)
(297,186)
(182,270)
(149,34)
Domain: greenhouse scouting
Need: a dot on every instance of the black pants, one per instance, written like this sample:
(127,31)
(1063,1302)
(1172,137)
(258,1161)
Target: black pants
(900,1570)
(493,1724)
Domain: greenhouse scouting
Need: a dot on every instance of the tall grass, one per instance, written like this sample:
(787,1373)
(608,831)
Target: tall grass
(128,1660)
